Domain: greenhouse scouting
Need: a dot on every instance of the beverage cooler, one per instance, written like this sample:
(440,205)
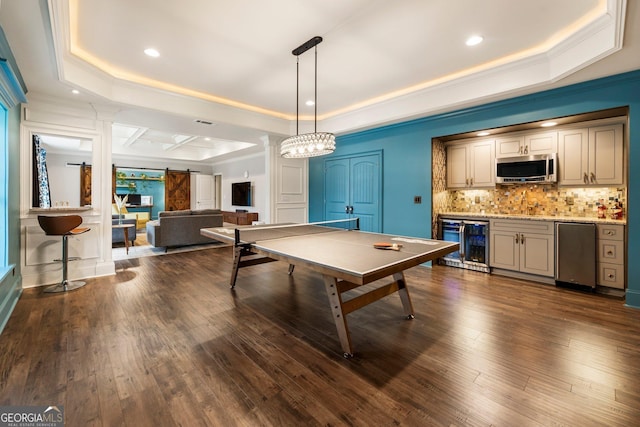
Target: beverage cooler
(473,237)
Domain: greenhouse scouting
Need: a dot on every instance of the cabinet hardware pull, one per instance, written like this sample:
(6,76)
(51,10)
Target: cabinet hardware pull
(471,180)
(611,276)
(610,253)
(462,242)
(522,239)
(586,178)
(517,239)
(520,150)
(593,177)
(526,149)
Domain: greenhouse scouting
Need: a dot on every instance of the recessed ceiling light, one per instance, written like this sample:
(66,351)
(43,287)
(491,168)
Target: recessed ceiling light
(548,124)
(75,91)
(310,103)
(485,133)
(474,40)
(207,139)
(151,52)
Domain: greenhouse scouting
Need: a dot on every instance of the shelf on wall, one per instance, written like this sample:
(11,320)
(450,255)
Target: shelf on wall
(131,178)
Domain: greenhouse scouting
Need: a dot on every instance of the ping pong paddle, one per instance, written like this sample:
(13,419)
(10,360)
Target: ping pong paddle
(385,245)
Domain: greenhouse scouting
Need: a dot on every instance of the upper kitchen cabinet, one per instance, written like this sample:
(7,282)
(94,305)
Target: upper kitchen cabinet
(591,156)
(528,144)
(471,164)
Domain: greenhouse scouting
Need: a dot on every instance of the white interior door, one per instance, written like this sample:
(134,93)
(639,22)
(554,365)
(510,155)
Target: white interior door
(205,195)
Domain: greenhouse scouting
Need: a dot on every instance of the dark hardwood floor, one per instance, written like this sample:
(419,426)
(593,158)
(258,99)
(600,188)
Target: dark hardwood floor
(165,342)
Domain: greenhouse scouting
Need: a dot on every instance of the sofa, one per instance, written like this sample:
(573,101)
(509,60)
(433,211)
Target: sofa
(182,228)
(117,234)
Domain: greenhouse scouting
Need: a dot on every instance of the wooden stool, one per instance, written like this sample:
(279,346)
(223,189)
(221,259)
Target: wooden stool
(65,226)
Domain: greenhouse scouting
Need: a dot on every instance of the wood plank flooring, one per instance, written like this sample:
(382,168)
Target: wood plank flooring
(165,342)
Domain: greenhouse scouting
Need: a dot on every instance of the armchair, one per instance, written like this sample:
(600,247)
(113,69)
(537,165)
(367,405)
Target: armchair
(141,217)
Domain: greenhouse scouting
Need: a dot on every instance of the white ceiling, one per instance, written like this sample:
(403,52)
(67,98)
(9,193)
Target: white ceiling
(230,63)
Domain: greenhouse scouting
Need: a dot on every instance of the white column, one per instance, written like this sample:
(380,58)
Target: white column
(101,191)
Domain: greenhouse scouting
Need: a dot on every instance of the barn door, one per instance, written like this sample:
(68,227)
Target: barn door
(85,184)
(177,190)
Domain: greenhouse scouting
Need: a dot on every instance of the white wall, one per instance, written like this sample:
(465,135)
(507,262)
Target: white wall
(250,168)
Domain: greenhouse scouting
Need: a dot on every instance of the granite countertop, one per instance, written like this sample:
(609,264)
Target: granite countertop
(475,215)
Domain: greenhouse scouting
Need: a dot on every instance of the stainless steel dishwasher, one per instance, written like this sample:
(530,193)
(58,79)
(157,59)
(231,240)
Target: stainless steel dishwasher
(576,253)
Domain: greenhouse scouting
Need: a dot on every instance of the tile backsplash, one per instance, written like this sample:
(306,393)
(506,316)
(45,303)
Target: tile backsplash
(533,199)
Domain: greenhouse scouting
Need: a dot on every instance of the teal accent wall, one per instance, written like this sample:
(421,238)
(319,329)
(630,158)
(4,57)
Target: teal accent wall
(406,173)
(407,153)
(11,282)
(151,187)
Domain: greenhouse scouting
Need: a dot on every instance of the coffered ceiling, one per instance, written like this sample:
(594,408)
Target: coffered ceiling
(224,82)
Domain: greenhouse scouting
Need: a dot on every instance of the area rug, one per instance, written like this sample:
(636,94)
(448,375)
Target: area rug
(142,248)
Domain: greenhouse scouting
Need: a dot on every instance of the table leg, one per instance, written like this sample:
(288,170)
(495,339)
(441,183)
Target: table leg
(237,254)
(126,239)
(404,295)
(335,300)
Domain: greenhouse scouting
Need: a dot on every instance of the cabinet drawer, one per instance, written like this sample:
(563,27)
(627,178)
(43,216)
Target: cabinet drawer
(520,226)
(611,275)
(611,251)
(610,232)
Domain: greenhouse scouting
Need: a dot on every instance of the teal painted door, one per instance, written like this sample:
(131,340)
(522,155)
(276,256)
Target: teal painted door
(353,189)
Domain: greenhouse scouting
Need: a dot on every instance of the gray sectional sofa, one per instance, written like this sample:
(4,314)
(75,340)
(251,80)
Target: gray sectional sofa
(182,228)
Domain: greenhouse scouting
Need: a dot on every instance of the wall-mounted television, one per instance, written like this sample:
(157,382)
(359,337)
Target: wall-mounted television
(241,194)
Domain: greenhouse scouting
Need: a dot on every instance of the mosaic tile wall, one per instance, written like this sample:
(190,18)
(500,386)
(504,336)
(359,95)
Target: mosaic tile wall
(536,200)
(439,197)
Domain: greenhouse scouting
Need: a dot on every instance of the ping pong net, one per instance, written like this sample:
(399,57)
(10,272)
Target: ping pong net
(252,234)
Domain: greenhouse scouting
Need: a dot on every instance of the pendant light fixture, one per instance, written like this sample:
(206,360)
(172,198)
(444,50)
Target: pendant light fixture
(308,144)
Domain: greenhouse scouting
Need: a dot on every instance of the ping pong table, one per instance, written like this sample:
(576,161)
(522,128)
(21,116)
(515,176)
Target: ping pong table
(344,255)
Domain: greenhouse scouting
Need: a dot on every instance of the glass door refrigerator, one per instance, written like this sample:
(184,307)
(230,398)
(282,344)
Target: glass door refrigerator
(473,237)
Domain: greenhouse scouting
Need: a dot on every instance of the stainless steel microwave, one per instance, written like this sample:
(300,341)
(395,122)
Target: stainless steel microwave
(539,168)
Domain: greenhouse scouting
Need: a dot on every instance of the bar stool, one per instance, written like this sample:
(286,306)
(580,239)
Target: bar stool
(65,226)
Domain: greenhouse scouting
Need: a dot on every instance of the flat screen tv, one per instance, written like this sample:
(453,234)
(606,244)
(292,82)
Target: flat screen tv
(241,194)
(133,199)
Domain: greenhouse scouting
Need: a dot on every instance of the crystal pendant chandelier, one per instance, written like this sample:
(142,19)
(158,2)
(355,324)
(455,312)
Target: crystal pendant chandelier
(308,144)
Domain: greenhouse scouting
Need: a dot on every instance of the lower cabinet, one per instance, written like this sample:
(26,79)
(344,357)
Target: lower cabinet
(525,246)
(611,256)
